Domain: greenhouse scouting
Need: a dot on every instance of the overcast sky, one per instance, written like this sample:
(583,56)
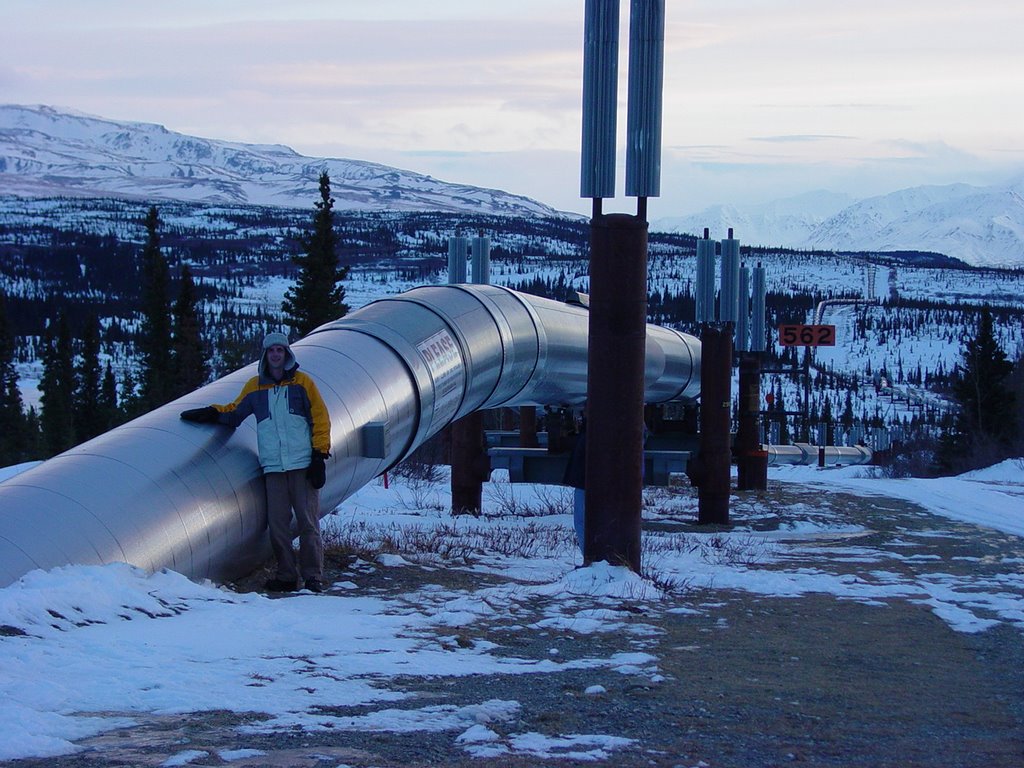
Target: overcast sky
(763,98)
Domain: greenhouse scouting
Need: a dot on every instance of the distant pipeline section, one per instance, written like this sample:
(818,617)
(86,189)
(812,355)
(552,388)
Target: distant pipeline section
(807,455)
(161,493)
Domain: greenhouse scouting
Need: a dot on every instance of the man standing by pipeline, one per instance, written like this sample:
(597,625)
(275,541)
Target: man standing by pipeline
(293,432)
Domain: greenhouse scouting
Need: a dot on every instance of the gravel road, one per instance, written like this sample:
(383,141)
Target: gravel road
(745,680)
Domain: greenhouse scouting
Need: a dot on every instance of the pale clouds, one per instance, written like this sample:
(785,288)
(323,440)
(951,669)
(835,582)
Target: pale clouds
(492,91)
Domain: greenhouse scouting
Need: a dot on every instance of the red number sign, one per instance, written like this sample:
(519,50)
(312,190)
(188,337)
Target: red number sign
(807,335)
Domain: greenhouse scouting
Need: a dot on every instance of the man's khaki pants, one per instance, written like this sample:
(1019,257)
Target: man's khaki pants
(288,491)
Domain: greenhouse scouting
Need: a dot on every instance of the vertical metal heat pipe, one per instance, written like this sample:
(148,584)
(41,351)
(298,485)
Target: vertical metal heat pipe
(600,85)
(646,76)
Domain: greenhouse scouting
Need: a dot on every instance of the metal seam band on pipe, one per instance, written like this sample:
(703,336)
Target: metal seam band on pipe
(162,493)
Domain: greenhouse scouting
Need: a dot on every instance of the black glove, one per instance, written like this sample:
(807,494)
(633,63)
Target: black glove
(207,415)
(316,473)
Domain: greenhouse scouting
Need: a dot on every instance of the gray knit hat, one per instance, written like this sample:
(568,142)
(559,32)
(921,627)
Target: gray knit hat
(275,337)
(272,339)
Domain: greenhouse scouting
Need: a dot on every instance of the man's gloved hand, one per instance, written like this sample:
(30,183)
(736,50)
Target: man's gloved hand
(206,415)
(316,473)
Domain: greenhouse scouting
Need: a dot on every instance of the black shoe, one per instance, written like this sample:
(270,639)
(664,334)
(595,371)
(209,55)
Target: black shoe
(314,585)
(279,585)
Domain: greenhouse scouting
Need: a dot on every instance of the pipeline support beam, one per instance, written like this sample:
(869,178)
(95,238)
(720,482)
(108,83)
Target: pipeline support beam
(615,390)
(751,458)
(715,415)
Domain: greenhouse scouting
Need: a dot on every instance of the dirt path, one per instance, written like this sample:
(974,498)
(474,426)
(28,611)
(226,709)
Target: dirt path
(741,680)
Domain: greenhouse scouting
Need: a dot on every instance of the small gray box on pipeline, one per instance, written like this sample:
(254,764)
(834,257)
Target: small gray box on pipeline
(375,439)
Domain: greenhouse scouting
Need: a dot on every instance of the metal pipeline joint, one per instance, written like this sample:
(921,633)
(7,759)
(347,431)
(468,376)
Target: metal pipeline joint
(158,492)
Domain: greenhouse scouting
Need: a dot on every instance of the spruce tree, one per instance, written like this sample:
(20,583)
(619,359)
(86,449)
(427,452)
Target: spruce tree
(985,425)
(981,385)
(826,416)
(108,398)
(13,426)
(33,436)
(90,419)
(317,298)
(1016,384)
(155,337)
(57,388)
(131,404)
(190,354)
(846,419)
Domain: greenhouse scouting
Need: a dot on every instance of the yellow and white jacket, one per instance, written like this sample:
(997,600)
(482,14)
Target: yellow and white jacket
(291,418)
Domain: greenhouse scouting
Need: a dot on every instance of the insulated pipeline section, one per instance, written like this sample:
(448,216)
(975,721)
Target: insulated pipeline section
(806,455)
(162,493)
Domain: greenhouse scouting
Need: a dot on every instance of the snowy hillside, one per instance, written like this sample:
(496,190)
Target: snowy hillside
(982,226)
(241,256)
(45,151)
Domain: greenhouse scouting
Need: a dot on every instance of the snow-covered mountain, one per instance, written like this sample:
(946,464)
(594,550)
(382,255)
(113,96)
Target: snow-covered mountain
(982,226)
(784,222)
(45,151)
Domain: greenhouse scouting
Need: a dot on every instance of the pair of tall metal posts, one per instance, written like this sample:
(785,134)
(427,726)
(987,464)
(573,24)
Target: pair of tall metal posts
(618,270)
(743,315)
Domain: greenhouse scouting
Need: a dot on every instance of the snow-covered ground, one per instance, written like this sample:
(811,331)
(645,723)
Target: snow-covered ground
(992,497)
(85,650)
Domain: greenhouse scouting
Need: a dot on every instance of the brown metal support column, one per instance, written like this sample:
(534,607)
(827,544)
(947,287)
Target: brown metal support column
(528,426)
(615,390)
(470,464)
(715,408)
(751,460)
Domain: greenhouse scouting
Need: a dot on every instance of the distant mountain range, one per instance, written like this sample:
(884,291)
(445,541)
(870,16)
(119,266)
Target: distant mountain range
(45,151)
(982,226)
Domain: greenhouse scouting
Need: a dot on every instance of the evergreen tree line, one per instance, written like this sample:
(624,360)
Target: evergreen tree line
(227,248)
(79,395)
(174,350)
